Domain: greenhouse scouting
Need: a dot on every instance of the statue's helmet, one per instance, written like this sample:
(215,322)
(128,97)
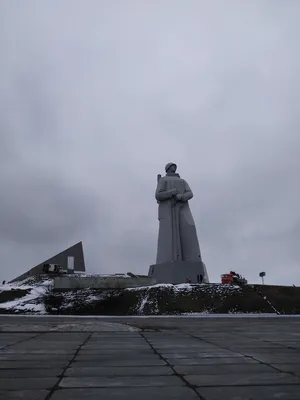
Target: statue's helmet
(170,165)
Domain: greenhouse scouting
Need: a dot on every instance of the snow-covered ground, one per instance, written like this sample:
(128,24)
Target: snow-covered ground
(185,315)
(31,302)
(190,286)
(148,301)
(30,297)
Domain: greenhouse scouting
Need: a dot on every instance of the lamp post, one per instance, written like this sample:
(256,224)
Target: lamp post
(262,275)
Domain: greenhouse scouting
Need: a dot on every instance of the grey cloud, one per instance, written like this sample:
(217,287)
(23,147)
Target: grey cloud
(97,96)
(42,209)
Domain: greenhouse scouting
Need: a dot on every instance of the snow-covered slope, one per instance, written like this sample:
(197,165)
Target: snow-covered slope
(36,296)
(26,296)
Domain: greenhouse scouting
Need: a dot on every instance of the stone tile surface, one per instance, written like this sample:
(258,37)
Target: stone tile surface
(250,393)
(24,395)
(117,371)
(119,362)
(212,361)
(112,351)
(273,378)
(28,373)
(293,368)
(121,381)
(223,369)
(27,383)
(34,357)
(62,358)
(127,393)
(32,364)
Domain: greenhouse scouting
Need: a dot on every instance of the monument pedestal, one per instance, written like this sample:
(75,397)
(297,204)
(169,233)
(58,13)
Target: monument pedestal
(179,272)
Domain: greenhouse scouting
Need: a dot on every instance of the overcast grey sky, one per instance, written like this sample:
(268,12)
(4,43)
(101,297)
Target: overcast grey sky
(97,96)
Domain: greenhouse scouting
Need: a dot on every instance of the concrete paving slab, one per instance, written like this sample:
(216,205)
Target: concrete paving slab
(100,341)
(252,346)
(117,371)
(116,356)
(109,345)
(126,358)
(287,342)
(51,342)
(116,338)
(66,325)
(121,352)
(27,383)
(284,340)
(172,339)
(114,381)
(33,364)
(126,393)
(16,336)
(104,343)
(3,345)
(24,328)
(251,393)
(212,361)
(116,335)
(179,341)
(117,362)
(187,348)
(38,351)
(277,359)
(11,335)
(94,326)
(292,368)
(34,357)
(68,337)
(223,369)
(282,351)
(242,379)
(34,344)
(201,355)
(4,342)
(28,373)
(177,347)
(294,346)
(113,339)
(24,395)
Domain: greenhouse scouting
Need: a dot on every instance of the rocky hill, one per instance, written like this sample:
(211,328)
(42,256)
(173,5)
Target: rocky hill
(37,297)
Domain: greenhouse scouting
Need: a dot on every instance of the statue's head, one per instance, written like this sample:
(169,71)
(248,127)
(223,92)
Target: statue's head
(171,167)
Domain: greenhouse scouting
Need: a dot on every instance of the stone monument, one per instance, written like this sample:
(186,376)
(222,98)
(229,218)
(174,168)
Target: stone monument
(178,253)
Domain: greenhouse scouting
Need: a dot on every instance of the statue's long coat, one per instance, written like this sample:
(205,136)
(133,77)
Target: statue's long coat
(177,238)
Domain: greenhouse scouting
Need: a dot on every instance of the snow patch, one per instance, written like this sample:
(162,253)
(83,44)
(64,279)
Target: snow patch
(157,286)
(143,302)
(32,302)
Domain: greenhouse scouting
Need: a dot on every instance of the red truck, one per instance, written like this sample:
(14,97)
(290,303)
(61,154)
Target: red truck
(233,278)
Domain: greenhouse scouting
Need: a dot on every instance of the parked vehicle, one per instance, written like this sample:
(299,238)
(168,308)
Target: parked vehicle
(53,269)
(233,278)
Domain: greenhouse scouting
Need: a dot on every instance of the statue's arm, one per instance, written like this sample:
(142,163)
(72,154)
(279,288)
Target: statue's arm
(188,194)
(161,194)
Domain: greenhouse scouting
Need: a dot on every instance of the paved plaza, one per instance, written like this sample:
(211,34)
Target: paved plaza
(62,358)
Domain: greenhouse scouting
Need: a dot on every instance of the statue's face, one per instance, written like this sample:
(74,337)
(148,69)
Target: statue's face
(172,168)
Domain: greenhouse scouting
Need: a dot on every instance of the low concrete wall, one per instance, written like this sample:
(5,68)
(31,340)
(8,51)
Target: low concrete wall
(100,282)
(179,272)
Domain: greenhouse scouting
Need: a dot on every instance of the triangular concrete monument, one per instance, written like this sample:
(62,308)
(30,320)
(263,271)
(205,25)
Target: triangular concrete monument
(75,251)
